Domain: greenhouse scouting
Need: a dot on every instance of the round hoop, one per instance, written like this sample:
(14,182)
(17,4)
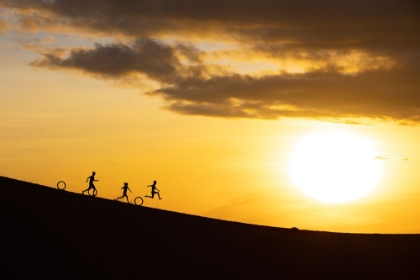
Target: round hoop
(92,192)
(139,202)
(61,185)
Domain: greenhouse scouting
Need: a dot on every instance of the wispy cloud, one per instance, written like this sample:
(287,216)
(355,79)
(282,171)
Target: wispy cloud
(384,157)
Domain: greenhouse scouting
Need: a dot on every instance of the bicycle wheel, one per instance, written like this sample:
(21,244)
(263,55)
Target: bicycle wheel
(93,192)
(138,200)
(61,185)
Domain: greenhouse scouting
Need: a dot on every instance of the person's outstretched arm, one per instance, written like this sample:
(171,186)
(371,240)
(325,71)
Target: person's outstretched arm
(130,190)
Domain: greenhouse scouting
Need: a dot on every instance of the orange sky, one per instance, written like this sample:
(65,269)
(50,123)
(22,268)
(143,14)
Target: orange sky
(211,104)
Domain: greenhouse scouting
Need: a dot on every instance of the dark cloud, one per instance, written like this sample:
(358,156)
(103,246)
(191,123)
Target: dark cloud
(325,24)
(384,85)
(154,59)
(192,89)
(379,94)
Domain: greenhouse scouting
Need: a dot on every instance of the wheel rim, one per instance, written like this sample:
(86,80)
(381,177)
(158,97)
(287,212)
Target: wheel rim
(93,192)
(138,201)
(61,185)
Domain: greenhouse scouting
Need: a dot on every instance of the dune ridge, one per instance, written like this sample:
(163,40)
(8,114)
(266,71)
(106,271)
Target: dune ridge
(49,232)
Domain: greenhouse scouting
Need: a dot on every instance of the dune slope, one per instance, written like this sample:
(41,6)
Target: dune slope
(53,233)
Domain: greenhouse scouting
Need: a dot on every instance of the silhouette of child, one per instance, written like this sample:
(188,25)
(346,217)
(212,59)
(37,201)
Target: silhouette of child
(125,188)
(91,179)
(154,190)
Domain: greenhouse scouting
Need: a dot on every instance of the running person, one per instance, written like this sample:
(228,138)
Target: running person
(125,188)
(91,179)
(154,190)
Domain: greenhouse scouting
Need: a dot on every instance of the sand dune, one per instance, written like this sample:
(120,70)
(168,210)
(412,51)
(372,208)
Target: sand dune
(53,233)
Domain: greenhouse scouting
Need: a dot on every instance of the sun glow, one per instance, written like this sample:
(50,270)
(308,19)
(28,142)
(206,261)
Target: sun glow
(335,167)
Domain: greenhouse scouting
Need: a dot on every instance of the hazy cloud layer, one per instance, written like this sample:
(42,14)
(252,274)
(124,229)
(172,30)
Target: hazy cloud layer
(4,25)
(382,83)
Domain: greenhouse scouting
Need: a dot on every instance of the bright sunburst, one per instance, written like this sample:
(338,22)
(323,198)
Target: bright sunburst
(335,167)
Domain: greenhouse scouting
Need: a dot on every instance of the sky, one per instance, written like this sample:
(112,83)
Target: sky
(210,98)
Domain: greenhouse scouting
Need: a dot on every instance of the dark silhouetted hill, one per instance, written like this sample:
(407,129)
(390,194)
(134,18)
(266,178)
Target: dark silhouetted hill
(49,233)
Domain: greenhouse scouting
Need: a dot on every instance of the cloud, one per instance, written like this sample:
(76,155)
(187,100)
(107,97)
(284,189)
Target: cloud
(152,58)
(358,59)
(385,94)
(382,157)
(191,89)
(4,25)
(299,24)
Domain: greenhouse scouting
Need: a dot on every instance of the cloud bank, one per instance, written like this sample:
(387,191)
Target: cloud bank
(358,59)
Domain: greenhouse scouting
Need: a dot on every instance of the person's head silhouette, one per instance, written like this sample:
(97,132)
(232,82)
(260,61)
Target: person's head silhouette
(93,172)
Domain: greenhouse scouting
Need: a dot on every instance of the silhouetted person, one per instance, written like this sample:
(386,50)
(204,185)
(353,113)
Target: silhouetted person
(154,190)
(124,188)
(91,179)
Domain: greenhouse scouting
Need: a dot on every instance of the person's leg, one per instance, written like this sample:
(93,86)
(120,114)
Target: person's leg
(93,190)
(87,190)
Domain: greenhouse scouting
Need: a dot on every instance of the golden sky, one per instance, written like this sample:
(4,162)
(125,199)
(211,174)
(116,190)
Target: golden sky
(210,98)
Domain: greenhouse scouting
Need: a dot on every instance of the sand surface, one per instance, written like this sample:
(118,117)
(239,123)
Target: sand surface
(48,232)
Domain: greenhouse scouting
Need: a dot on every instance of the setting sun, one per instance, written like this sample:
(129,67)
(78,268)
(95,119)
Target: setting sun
(335,167)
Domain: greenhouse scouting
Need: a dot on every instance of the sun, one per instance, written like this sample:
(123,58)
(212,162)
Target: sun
(335,167)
